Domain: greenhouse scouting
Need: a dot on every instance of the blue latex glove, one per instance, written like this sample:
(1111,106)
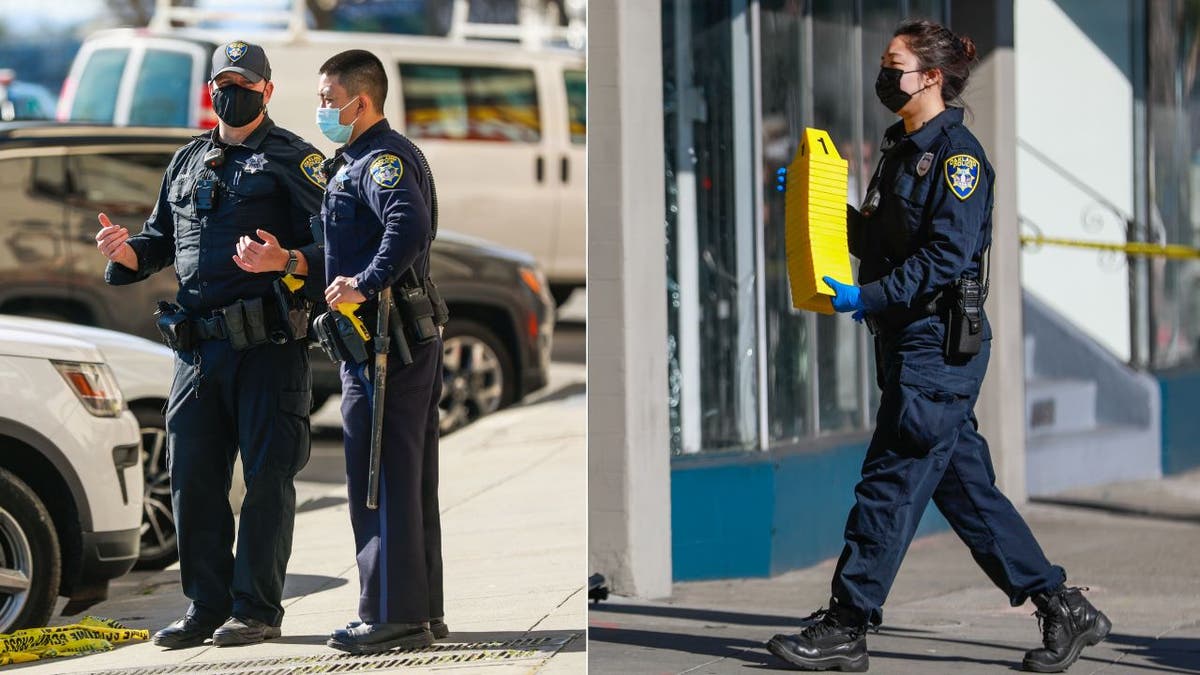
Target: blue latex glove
(859,316)
(845,296)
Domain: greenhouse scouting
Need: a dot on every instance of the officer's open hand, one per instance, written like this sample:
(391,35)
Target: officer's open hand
(845,296)
(113,242)
(342,290)
(257,257)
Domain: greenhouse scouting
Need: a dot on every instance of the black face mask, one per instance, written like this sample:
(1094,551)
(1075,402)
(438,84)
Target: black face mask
(887,88)
(237,106)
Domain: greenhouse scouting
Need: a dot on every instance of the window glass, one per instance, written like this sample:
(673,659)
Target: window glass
(711,228)
(470,103)
(1173,113)
(789,339)
(96,91)
(576,82)
(119,184)
(837,108)
(163,95)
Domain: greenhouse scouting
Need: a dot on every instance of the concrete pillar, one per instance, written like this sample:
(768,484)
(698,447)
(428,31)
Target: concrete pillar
(629,480)
(990,95)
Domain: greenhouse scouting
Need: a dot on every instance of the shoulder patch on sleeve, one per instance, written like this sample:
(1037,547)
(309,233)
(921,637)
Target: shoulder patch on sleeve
(311,166)
(962,175)
(387,170)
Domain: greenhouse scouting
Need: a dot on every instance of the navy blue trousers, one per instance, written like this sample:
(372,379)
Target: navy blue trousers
(926,446)
(399,545)
(257,401)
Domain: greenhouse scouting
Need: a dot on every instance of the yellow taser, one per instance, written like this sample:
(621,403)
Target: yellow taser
(815,221)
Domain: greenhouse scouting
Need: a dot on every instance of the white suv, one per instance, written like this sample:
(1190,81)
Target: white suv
(143,372)
(70,477)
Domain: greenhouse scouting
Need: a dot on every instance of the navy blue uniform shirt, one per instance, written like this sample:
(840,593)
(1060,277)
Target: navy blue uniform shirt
(376,215)
(269,181)
(934,217)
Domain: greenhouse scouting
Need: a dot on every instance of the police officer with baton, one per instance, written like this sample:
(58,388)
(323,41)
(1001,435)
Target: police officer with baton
(378,220)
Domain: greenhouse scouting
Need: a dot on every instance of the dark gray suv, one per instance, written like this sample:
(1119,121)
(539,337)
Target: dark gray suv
(55,178)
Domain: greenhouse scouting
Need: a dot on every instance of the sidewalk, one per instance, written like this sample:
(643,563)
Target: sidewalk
(514,545)
(944,616)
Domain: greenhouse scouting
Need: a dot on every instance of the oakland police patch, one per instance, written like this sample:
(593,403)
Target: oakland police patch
(311,166)
(962,174)
(387,170)
(235,50)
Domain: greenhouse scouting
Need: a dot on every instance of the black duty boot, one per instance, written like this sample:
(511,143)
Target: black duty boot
(186,632)
(1069,623)
(236,632)
(370,638)
(436,626)
(832,642)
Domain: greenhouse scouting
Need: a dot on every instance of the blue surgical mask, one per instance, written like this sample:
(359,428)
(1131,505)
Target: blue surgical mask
(329,121)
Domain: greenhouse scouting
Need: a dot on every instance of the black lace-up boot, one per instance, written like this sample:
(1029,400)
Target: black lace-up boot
(834,640)
(1069,623)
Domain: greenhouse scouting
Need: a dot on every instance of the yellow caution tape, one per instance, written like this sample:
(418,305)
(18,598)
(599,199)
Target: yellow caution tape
(89,636)
(1175,251)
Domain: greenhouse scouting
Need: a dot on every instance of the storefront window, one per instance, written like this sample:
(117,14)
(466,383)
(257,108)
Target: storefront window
(712,247)
(816,66)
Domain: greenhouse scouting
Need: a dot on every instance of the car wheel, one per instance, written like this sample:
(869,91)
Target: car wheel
(477,374)
(159,543)
(30,561)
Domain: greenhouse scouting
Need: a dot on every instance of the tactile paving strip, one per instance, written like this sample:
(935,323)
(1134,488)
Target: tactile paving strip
(435,655)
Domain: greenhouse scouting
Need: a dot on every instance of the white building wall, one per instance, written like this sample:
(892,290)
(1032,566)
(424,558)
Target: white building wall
(1075,107)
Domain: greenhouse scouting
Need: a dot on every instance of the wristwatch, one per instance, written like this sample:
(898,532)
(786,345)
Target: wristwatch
(292,262)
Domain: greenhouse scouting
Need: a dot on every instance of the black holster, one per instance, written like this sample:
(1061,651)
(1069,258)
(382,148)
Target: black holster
(174,327)
(294,310)
(338,338)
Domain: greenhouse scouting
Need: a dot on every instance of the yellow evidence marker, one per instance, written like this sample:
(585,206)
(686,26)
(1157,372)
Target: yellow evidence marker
(815,221)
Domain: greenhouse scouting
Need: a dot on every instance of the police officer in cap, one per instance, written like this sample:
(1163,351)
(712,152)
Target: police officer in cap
(233,217)
(922,237)
(378,227)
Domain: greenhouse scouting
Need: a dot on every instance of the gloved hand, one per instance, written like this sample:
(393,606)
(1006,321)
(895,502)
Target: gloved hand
(845,296)
(859,316)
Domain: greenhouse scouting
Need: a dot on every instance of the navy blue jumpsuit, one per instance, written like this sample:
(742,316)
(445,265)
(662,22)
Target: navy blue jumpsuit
(932,225)
(377,223)
(221,400)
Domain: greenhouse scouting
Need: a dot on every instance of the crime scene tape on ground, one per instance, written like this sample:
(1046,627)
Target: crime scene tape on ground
(1136,248)
(90,636)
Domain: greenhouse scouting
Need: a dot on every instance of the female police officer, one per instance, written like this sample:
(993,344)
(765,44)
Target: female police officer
(922,238)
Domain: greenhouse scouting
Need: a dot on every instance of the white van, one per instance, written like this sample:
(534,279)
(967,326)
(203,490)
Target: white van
(503,125)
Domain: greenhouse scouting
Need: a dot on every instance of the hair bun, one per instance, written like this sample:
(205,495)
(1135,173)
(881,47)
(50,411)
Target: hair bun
(968,47)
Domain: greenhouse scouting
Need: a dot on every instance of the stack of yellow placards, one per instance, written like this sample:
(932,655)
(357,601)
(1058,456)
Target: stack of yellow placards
(816,221)
(89,636)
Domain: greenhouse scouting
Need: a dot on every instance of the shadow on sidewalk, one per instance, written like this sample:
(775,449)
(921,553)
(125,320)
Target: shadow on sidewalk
(1179,655)
(297,585)
(706,645)
(691,614)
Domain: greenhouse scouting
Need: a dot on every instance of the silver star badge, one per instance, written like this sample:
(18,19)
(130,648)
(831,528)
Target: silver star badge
(255,164)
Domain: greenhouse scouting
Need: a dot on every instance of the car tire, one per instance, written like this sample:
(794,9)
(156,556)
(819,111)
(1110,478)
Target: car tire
(159,541)
(30,557)
(478,374)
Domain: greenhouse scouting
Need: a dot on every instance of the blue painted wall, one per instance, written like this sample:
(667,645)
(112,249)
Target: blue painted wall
(1180,421)
(762,514)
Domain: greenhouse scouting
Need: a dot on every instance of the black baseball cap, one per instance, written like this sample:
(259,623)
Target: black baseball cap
(243,58)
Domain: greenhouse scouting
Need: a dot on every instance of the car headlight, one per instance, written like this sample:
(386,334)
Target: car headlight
(94,385)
